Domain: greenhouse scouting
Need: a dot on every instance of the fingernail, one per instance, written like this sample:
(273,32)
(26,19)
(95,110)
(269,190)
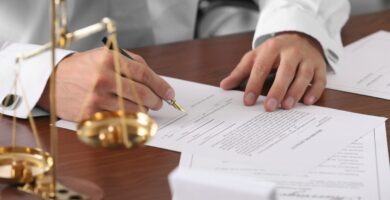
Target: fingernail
(170,94)
(289,102)
(250,98)
(311,100)
(271,104)
(223,84)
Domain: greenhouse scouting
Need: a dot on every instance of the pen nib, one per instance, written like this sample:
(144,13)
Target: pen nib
(173,103)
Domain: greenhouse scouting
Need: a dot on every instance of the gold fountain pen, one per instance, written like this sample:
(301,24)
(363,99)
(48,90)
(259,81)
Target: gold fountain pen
(171,102)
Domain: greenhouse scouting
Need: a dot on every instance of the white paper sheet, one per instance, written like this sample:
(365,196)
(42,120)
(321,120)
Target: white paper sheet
(3,45)
(218,123)
(358,172)
(365,68)
(190,184)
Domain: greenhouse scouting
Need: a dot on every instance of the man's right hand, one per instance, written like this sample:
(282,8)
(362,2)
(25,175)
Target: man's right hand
(93,72)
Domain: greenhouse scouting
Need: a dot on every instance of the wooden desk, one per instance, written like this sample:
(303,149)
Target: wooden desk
(141,174)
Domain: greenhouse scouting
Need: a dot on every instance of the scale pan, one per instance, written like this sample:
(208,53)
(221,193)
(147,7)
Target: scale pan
(117,129)
(21,165)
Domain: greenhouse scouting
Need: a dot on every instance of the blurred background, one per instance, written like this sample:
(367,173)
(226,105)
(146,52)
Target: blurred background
(368,6)
(221,17)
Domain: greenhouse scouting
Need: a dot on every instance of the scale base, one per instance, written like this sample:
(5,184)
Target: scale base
(85,190)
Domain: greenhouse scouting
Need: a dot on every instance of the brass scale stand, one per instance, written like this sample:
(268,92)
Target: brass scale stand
(33,170)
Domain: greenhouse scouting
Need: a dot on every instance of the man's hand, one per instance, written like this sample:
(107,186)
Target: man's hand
(299,63)
(93,71)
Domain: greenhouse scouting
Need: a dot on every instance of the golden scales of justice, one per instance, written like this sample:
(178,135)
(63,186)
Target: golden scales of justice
(33,170)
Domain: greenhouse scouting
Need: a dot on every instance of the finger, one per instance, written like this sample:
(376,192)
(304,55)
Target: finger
(147,97)
(136,57)
(103,56)
(111,104)
(298,87)
(142,74)
(317,87)
(239,73)
(105,82)
(260,70)
(284,76)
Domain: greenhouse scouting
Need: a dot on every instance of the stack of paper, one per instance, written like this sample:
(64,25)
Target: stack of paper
(365,68)
(310,152)
(358,172)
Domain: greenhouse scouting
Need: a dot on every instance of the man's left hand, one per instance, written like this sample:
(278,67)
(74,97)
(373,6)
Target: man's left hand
(300,71)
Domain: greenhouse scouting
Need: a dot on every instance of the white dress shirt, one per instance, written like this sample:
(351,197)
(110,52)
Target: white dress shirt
(146,22)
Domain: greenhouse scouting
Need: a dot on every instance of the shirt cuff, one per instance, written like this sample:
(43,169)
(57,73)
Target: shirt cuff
(283,19)
(32,78)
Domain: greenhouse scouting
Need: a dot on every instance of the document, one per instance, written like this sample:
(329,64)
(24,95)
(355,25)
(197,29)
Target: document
(365,68)
(358,172)
(217,123)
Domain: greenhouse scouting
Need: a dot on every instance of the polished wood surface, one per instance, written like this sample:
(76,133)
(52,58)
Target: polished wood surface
(142,173)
